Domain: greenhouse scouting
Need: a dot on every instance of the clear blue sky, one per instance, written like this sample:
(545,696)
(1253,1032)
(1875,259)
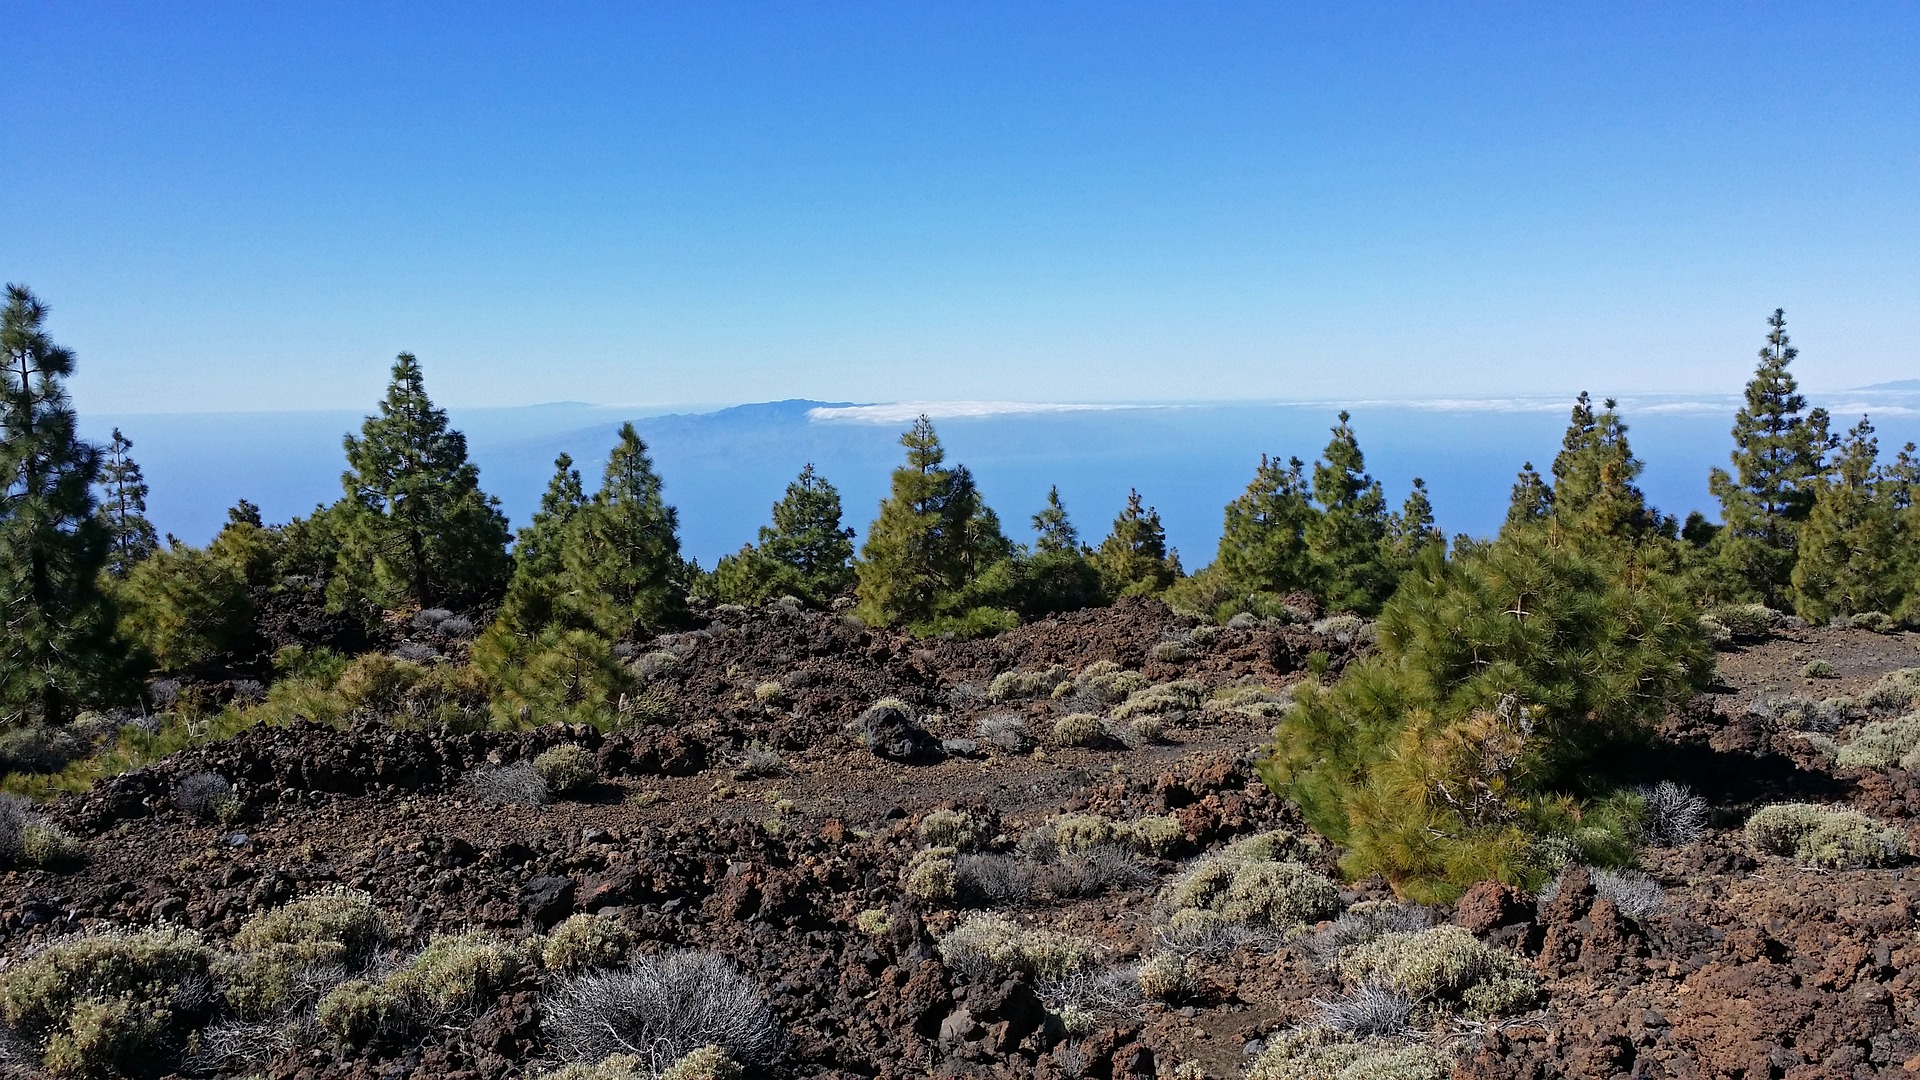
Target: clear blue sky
(255,206)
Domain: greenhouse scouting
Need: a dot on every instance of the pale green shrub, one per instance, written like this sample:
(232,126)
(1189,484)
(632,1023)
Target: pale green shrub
(991,946)
(1180,695)
(1018,685)
(1818,669)
(586,941)
(933,874)
(283,957)
(1319,1053)
(103,1004)
(706,1063)
(1445,967)
(1079,729)
(616,1067)
(950,828)
(358,1011)
(1893,691)
(1825,837)
(567,769)
(456,974)
(1750,621)
(1255,892)
(1883,744)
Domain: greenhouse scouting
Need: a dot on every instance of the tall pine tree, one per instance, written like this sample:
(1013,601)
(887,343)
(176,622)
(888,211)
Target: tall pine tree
(622,556)
(1778,453)
(1411,532)
(417,527)
(1532,498)
(58,647)
(123,507)
(538,565)
(1057,575)
(1594,492)
(932,541)
(1133,560)
(1263,539)
(1849,553)
(1347,540)
(806,552)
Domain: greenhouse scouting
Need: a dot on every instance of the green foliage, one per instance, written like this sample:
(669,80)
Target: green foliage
(1445,968)
(586,941)
(123,507)
(1850,546)
(1079,729)
(568,769)
(358,1011)
(1318,1053)
(1411,531)
(706,1063)
(932,874)
(415,526)
(456,975)
(1532,499)
(571,675)
(935,550)
(623,570)
(58,651)
(1057,575)
(1133,560)
(1777,458)
(806,552)
(281,955)
(186,606)
(991,946)
(1593,477)
(1347,540)
(1827,838)
(1263,541)
(1499,675)
(103,1005)
(1241,887)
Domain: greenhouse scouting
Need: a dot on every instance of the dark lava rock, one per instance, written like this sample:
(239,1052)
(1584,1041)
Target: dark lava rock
(548,899)
(891,732)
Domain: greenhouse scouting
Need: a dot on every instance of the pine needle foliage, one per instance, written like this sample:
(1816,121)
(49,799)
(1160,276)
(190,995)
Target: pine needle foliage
(1778,455)
(806,553)
(1133,560)
(1850,547)
(417,528)
(1347,539)
(622,552)
(1057,575)
(123,507)
(57,648)
(1594,489)
(1501,675)
(1263,540)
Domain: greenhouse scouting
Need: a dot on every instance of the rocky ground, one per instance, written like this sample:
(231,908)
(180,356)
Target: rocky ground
(745,818)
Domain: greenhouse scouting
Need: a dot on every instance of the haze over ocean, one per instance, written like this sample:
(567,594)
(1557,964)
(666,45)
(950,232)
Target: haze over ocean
(723,468)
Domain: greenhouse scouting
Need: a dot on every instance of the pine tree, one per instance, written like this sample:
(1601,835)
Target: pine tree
(1057,575)
(1053,530)
(806,553)
(1778,453)
(1133,560)
(621,559)
(933,536)
(1263,540)
(1532,499)
(1849,557)
(538,568)
(123,507)
(1347,540)
(245,512)
(417,528)
(1593,477)
(1411,532)
(57,650)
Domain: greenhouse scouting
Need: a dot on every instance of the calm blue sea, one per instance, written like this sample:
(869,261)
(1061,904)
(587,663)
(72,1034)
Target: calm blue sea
(724,468)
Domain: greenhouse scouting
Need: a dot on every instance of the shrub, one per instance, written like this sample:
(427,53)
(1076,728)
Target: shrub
(1093,872)
(1169,697)
(1674,816)
(1368,1011)
(105,1004)
(518,784)
(990,946)
(1004,732)
(615,1067)
(1718,634)
(1746,621)
(1364,922)
(295,952)
(1818,669)
(1878,622)
(1142,731)
(1319,1053)
(1893,691)
(206,795)
(759,760)
(1343,628)
(1444,967)
(1247,701)
(1823,837)
(1256,892)
(567,769)
(1168,652)
(1079,729)
(662,1008)
(1635,894)
(586,941)
(706,1063)
(873,922)
(1167,976)
(1100,684)
(1796,713)
(357,1012)
(932,875)
(1883,744)
(37,748)
(1019,685)
(770,694)
(1090,999)
(950,828)
(994,879)
(1159,835)
(457,974)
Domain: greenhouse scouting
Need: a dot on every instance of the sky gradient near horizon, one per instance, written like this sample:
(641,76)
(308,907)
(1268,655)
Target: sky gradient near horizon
(255,207)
